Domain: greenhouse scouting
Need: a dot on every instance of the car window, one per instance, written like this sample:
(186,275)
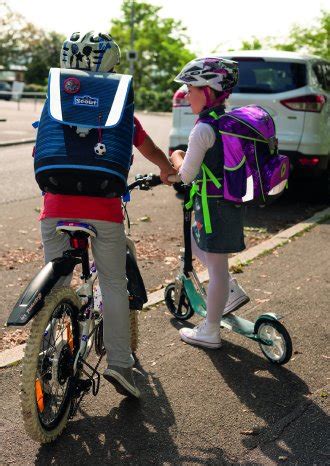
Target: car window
(322,73)
(257,76)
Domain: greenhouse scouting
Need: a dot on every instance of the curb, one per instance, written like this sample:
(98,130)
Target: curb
(14,143)
(14,355)
(243,258)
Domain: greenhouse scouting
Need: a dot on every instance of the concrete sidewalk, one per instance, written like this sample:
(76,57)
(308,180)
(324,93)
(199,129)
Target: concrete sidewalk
(18,118)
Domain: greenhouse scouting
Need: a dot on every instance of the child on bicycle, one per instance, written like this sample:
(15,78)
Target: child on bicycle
(82,51)
(210,81)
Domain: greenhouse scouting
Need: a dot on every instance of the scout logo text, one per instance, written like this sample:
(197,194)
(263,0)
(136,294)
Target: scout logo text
(86,101)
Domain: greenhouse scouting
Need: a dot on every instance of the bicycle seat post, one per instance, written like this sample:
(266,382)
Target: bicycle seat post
(79,242)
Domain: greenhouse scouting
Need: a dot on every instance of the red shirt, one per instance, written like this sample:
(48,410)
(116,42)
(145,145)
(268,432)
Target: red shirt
(95,208)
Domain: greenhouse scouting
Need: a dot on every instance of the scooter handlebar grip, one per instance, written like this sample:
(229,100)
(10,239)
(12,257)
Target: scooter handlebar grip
(174,178)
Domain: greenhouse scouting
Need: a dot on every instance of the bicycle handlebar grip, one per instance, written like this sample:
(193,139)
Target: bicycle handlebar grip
(155,180)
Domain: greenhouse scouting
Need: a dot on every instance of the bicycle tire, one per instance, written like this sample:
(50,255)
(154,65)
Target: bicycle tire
(33,423)
(134,330)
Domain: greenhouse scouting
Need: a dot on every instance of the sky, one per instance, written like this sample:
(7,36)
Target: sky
(209,23)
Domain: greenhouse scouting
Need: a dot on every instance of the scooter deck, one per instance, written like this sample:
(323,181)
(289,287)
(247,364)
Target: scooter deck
(239,325)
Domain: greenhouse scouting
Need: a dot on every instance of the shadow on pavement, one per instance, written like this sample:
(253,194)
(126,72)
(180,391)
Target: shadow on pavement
(135,432)
(271,392)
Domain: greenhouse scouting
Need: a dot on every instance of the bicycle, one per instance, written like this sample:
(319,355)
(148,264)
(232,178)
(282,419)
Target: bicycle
(66,324)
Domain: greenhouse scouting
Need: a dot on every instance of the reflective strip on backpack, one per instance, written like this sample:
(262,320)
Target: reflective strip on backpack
(55,95)
(232,169)
(118,101)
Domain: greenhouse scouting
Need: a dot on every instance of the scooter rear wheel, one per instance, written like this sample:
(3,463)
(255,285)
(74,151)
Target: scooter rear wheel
(281,350)
(182,311)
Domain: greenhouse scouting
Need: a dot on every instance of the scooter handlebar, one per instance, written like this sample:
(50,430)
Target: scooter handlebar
(174,178)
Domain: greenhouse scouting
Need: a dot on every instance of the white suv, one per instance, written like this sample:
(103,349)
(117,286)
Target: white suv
(293,88)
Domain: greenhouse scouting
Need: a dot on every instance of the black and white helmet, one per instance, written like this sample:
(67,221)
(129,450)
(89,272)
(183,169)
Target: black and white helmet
(91,51)
(216,72)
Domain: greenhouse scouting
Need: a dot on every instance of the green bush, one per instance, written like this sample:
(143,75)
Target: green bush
(35,88)
(153,101)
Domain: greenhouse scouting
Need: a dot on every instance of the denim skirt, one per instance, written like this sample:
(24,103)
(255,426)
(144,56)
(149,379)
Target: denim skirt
(227,221)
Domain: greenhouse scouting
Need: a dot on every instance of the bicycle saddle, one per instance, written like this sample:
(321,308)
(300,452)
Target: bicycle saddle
(68,227)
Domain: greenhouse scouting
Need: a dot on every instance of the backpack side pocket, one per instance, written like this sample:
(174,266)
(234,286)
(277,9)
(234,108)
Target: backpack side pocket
(235,176)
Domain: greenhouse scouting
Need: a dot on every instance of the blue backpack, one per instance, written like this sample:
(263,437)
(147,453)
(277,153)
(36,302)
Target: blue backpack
(85,133)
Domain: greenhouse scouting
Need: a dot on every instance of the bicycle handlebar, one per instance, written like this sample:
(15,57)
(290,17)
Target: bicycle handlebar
(145,182)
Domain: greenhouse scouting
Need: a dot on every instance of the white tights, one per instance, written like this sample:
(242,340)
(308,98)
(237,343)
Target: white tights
(218,289)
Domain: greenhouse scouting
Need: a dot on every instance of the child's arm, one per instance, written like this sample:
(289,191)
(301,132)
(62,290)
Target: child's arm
(155,155)
(201,138)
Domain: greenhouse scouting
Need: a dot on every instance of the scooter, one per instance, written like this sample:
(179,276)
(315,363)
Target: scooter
(187,295)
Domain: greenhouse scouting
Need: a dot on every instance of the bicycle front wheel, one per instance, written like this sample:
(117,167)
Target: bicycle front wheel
(47,369)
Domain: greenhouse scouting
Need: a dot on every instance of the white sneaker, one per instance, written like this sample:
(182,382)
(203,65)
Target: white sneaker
(237,297)
(201,335)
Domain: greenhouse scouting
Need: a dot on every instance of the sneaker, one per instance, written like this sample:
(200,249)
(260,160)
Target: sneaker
(201,336)
(237,297)
(122,379)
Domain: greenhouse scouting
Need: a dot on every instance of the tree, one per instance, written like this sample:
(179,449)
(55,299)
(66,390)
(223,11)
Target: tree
(315,39)
(255,44)
(45,54)
(15,32)
(22,43)
(161,44)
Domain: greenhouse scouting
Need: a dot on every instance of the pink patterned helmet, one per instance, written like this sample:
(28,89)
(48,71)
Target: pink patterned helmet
(216,72)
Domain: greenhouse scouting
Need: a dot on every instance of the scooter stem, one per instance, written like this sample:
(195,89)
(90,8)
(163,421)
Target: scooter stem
(187,258)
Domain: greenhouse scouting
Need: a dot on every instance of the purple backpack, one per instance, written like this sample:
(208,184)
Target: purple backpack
(254,171)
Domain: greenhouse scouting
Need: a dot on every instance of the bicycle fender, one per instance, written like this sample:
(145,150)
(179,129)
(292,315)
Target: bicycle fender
(135,285)
(32,298)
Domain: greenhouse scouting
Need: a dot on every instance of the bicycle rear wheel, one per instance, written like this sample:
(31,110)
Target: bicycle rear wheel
(47,380)
(134,330)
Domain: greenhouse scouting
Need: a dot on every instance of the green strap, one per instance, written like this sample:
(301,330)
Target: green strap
(205,204)
(214,180)
(214,115)
(194,190)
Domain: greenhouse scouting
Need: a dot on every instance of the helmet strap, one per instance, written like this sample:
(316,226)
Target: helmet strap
(206,91)
(218,101)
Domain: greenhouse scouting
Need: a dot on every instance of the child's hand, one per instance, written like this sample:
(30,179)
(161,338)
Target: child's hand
(165,173)
(177,159)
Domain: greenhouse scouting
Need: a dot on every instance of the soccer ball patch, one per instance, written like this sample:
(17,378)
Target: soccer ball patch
(100,148)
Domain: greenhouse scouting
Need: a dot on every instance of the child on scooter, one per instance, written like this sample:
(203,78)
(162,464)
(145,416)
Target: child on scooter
(210,81)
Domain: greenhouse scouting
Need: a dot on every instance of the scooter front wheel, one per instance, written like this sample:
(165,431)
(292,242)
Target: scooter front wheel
(182,310)
(280,351)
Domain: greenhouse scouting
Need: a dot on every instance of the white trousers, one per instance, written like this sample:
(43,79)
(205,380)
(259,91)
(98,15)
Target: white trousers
(218,288)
